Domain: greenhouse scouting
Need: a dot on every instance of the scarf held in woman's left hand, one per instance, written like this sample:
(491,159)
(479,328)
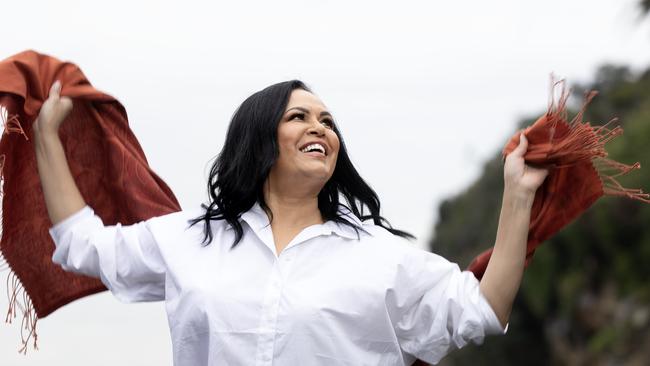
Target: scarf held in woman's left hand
(580,172)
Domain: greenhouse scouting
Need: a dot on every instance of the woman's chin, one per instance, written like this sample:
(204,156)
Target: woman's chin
(321,174)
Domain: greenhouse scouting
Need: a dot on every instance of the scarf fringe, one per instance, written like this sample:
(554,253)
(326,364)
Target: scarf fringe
(3,262)
(612,187)
(11,123)
(587,143)
(2,186)
(19,300)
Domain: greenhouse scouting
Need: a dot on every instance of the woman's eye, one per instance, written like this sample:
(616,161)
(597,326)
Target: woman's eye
(300,116)
(328,123)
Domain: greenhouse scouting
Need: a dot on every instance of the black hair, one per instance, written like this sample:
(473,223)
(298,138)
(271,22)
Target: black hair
(238,175)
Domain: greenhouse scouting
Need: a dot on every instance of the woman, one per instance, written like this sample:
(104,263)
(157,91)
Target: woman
(274,270)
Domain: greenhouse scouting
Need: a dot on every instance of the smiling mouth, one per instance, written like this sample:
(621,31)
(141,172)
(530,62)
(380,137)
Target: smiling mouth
(313,149)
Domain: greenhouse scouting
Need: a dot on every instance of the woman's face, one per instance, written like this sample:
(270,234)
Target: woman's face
(308,146)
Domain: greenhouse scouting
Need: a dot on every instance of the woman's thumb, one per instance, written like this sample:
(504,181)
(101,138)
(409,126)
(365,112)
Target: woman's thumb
(521,149)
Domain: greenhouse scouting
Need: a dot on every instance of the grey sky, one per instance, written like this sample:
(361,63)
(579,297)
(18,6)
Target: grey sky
(423,92)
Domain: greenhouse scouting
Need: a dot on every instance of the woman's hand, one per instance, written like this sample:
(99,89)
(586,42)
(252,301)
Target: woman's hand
(519,178)
(53,112)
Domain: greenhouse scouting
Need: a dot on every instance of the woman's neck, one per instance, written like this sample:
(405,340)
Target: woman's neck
(292,204)
(292,209)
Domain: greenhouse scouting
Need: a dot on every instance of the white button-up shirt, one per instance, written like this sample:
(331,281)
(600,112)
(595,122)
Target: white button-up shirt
(330,298)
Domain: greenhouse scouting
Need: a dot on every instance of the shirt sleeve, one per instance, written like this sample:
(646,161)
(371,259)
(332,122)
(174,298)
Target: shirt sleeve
(126,258)
(435,307)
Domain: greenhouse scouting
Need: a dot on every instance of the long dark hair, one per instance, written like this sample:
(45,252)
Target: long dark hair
(237,176)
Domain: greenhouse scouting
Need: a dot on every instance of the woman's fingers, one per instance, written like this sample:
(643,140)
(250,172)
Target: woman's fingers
(521,149)
(66,105)
(538,171)
(53,111)
(55,89)
(61,105)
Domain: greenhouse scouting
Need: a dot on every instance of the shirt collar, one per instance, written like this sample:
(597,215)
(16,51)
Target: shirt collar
(345,230)
(257,219)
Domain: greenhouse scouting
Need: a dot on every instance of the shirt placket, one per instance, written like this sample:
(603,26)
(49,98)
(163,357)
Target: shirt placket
(270,310)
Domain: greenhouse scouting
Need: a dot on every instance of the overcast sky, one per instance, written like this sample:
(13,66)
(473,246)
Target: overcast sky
(424,92)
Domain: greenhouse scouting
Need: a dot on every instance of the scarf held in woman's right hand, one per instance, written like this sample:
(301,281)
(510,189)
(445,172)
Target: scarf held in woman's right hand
(105,159)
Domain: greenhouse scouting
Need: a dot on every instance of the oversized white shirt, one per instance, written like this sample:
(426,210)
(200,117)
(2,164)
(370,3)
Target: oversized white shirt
(330,298)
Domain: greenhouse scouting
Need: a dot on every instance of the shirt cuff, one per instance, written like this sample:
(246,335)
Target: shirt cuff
(60,228)
(493,325)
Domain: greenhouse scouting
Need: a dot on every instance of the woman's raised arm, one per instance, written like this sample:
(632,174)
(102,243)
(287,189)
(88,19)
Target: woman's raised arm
(127,259)
(62,197)
(503,275)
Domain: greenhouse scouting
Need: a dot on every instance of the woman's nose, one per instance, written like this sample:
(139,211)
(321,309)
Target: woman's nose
(316,129)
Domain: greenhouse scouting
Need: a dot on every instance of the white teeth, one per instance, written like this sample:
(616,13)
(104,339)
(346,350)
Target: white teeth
(310,147)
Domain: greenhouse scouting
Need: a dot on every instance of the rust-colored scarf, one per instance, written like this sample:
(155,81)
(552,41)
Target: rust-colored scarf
(106,161)
(579,172)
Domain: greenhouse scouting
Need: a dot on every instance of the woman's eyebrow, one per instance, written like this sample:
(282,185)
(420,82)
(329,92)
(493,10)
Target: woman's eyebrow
(305,110)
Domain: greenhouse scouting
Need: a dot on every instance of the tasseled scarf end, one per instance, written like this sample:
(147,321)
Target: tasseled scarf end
(573,142)
(580,170)
(11,123)
(19,300)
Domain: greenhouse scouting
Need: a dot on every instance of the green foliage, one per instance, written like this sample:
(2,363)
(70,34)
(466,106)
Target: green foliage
(584,296)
